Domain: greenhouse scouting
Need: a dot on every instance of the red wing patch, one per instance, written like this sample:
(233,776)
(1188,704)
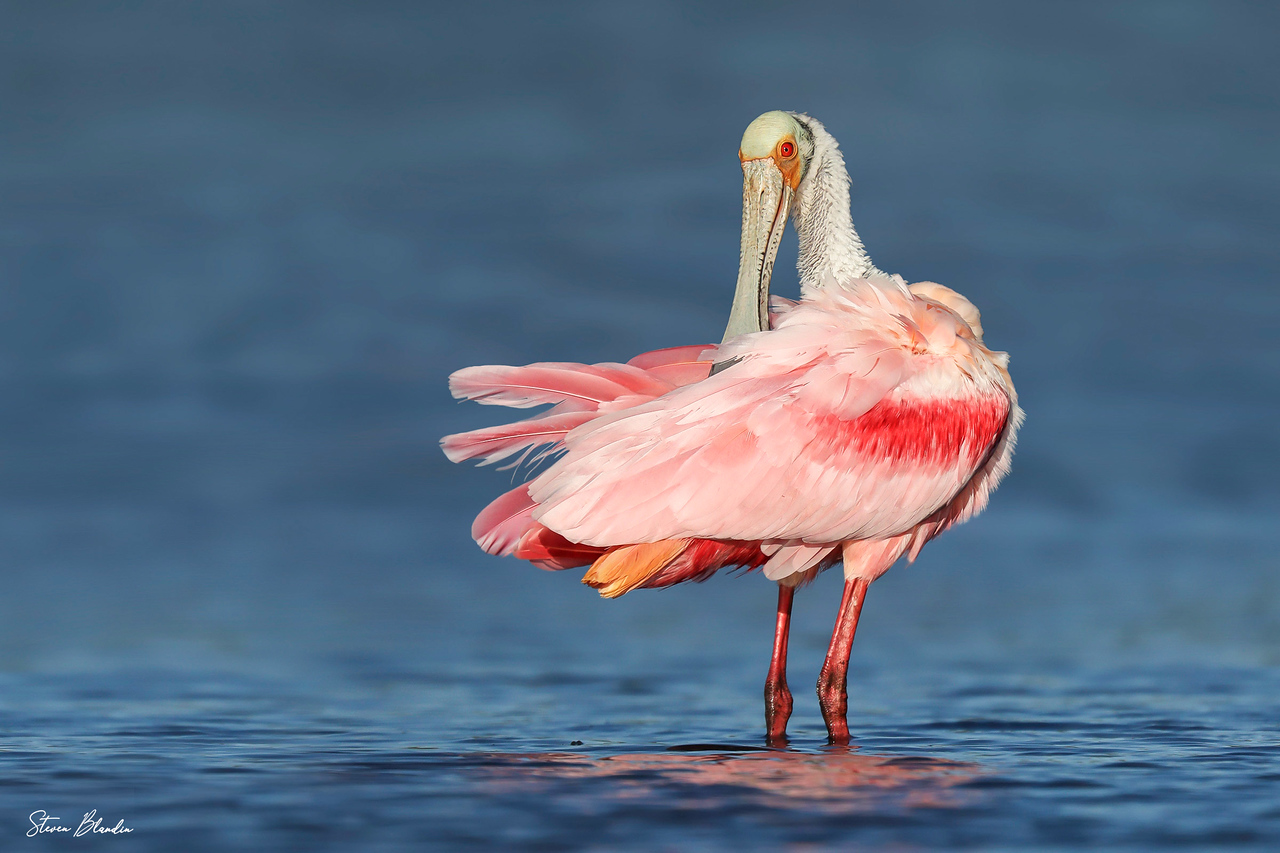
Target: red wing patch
(915,433)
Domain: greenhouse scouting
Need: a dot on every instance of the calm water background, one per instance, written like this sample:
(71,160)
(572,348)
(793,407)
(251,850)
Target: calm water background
(243,244)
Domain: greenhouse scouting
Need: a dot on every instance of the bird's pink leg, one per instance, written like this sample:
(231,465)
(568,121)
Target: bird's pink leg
(833,695)
(777,696)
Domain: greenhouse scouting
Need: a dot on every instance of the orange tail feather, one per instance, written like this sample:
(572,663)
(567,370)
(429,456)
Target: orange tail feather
(623,569)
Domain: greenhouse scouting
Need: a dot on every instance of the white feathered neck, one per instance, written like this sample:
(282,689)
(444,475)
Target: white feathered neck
(829,246)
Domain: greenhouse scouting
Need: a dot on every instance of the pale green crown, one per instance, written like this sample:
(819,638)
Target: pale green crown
(763,134)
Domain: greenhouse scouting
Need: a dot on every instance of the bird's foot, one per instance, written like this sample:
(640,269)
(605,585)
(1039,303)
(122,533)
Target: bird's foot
(838,732)
(833,699)
(777,711)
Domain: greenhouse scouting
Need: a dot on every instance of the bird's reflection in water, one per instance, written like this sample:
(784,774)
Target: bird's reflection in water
(831,781)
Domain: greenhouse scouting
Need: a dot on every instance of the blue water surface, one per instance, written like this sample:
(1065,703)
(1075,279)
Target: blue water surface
(243,244)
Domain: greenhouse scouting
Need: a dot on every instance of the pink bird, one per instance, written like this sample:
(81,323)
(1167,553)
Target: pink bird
(852,426)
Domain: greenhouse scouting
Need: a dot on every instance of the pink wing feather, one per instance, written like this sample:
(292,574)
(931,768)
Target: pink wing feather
(583,386)
(493,444)
(806,439)
(499,526)
(579,392)
(812,438)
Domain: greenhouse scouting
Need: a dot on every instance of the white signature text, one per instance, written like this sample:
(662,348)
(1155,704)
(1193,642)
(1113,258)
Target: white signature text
(42,821)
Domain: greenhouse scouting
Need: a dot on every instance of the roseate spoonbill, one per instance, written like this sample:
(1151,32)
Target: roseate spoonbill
(868,420)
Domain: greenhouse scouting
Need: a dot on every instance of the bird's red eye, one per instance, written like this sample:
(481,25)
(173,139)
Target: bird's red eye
(786,149)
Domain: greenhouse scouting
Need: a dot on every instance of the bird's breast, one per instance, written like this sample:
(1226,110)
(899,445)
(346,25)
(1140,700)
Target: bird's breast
(914,432)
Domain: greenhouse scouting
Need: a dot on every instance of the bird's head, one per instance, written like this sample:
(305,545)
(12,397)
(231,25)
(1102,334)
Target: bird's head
(778,141)
(776,152)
